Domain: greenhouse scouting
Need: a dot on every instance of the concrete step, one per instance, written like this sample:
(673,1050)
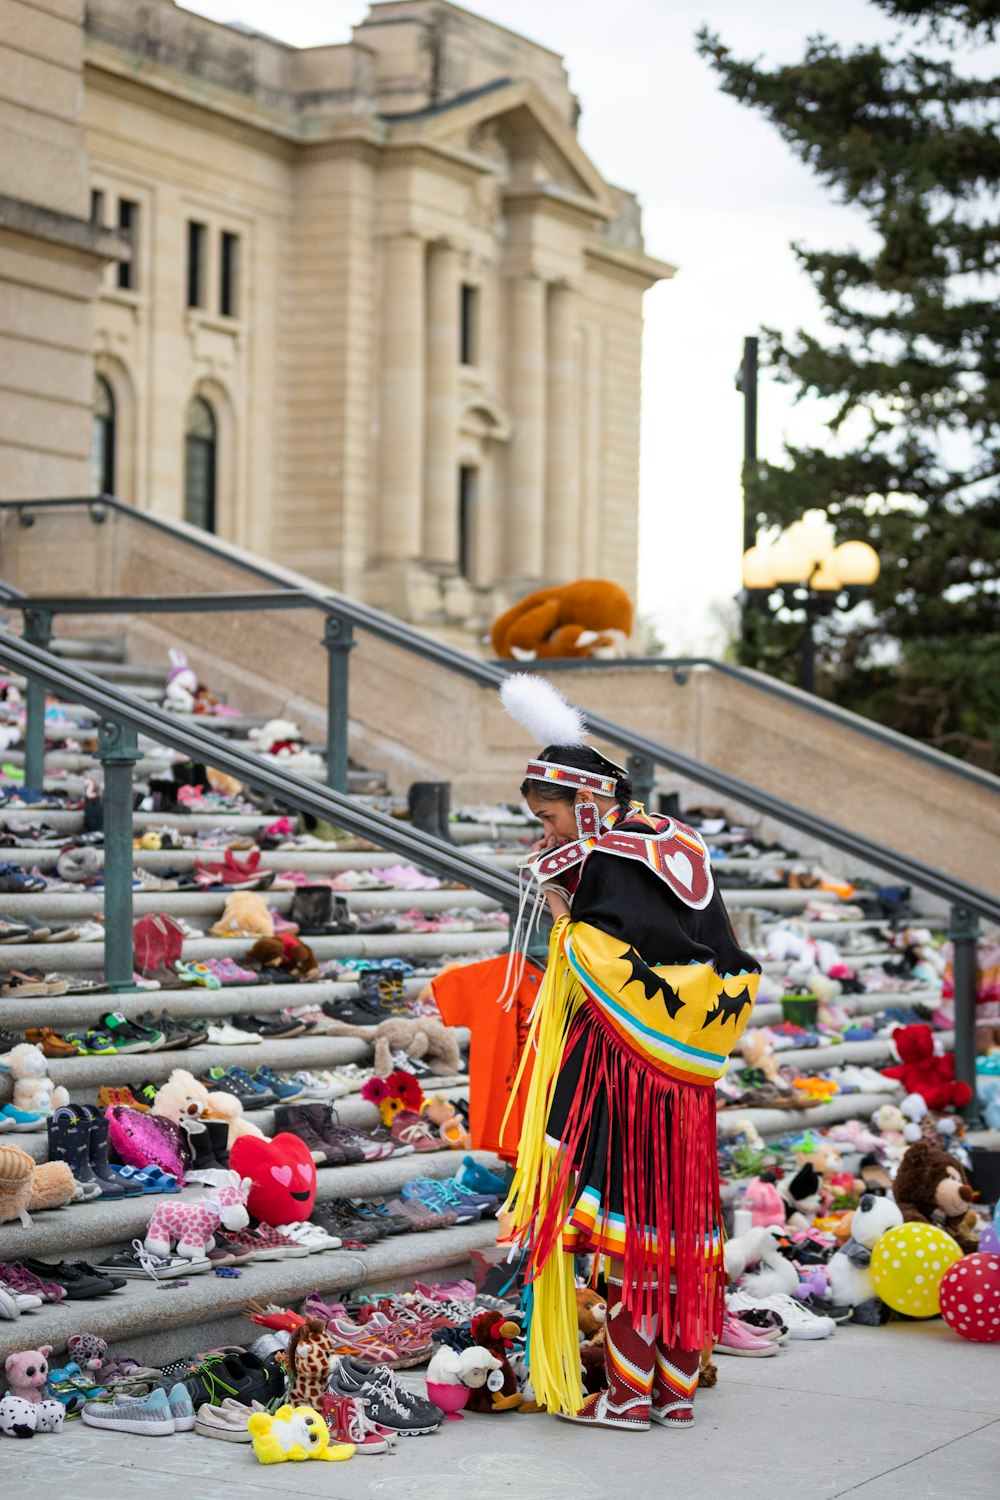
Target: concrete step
(87,957)
(767,1013)
(90,648)
(351,1110)
(775,1122)
(317,861)
(838,1055)
(207,905)
(79,1228)
(89,1073)
(156,1327)
(72,1011)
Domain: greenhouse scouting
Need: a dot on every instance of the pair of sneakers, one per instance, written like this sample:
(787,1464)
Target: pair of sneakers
(386,1401)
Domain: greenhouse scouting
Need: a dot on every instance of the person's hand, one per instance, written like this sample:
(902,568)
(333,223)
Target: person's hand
(558,905)
(542,846)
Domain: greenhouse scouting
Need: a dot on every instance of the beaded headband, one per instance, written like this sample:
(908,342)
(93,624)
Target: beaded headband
(590,781)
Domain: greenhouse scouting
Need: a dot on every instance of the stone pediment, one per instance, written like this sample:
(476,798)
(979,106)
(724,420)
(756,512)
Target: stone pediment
(514,126)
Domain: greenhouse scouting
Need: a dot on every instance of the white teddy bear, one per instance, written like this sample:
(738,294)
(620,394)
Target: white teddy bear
(33,1089)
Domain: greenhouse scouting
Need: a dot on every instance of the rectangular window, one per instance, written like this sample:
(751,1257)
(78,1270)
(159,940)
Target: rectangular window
(197,237)
(470,317)
(229,265)
(468,479)
(97,207)
(128,226)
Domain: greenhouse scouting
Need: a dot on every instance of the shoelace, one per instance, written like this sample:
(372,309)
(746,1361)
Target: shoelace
(388,1389)
(148,1262)
(418,1131)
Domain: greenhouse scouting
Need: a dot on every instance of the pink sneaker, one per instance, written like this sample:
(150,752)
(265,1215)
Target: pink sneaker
(737,1338)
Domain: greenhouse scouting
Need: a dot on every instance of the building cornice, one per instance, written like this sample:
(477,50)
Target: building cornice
(555,201)
(80,237)
(629,265)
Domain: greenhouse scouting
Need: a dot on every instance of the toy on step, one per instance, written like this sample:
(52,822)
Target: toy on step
(181,690)
(496,1334)
(849,1268)
(183,1097)
(453,1375)
(190,1227)
(921,1071)
(756,1263)
(801,1196)
(284,951)
(88,1350)
(33,1089)
(310,1357)
(420,1037)
(283,740)
(590,617)
(294,1433)
(764,1201)
(27,1408)
(27,1186)
(930,1188)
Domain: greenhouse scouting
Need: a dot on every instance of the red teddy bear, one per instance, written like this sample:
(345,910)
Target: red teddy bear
(921,1072)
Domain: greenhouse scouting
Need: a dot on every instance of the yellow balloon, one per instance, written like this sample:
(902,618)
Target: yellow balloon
(908,1265)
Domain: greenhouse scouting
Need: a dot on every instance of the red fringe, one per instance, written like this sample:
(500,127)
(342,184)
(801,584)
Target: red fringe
(671,1184)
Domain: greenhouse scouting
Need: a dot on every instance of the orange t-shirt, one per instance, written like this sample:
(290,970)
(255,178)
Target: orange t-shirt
(467,996)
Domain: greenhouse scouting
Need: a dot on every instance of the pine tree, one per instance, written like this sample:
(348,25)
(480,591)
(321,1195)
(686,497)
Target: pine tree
(909,372)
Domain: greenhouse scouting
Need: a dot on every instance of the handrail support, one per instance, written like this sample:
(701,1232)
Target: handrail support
(37,632)
(338,638)
(963,931)
(117,751)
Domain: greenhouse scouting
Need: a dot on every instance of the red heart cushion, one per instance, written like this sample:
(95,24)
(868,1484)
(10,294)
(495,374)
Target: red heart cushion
(283,1175)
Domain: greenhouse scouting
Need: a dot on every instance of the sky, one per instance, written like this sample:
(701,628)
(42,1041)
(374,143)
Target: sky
(723,197)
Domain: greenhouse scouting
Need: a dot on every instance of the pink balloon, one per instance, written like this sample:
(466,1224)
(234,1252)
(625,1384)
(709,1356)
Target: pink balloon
(970,1298)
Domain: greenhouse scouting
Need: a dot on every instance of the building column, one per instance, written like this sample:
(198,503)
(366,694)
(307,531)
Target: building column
(401,436)
(525,518)
(440,516)
(562,471)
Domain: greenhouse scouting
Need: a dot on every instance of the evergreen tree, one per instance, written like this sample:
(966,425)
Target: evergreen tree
(909,370)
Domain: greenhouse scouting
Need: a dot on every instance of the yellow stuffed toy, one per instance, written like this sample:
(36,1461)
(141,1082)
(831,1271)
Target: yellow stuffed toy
(292,1434)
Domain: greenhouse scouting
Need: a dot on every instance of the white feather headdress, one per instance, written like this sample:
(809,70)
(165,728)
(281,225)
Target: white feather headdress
(542,709)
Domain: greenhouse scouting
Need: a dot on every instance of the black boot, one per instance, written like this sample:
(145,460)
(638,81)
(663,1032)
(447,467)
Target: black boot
(306,1121)
(199,1142)
(98,1144)
(69,1141)
(429,806)
(382,991)
(218,1136)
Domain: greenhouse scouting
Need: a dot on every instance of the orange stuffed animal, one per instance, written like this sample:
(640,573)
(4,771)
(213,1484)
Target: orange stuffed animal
(592,617)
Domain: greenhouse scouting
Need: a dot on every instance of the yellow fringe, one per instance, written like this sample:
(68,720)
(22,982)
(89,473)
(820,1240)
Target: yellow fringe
(553,1341)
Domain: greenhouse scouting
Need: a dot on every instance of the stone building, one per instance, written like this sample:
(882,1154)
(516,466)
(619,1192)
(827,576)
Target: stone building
(365,308)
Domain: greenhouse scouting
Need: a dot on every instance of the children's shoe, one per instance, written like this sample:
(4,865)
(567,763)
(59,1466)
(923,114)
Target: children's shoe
(181,1408)
(349,1422)
(283,1088)
(14,1119)
(150,1417)
(738,1338)
(129,1036)
(433,1196)
(801,1323)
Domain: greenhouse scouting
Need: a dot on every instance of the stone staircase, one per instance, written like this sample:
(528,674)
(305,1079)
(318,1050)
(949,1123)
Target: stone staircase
(147,1320)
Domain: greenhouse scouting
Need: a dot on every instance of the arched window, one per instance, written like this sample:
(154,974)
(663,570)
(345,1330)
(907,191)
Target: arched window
(200,464)
(102,439)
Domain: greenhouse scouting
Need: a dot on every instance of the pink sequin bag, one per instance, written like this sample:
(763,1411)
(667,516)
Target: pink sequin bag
(142,1140)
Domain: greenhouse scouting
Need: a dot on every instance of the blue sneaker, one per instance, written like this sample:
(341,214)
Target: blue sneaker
(282,1087)
(181,1405)
(431,1193)
(12,1118)
(264,1095)
(461,1197)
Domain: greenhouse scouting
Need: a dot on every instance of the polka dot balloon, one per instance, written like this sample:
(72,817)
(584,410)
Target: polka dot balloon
(908,1265)
(970,1298)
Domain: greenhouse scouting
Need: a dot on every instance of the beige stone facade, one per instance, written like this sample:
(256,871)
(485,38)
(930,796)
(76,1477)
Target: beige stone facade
(381,316)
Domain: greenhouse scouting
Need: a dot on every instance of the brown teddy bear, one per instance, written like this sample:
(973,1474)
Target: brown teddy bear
(931,1188)
(591,617)
(284,952)
(422,1038)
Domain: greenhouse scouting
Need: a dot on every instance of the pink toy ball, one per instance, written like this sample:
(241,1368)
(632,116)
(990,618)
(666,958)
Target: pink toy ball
(450,1398)
(970,1298)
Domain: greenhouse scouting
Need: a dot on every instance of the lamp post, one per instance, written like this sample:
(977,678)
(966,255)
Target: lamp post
(810,573)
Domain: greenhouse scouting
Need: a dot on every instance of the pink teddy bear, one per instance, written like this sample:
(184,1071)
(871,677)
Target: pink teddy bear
(26,1409)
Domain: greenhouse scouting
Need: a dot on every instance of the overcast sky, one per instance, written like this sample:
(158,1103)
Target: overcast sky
(722,199)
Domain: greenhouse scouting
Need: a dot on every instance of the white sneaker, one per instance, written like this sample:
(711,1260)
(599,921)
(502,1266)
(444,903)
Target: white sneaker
(314,1087)
(221,1034)
(311,1235)
(800,1322)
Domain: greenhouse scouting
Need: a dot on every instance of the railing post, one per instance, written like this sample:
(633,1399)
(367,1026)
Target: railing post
(117,752)
(963,931)
(338,638)
(643,774)
(37,632)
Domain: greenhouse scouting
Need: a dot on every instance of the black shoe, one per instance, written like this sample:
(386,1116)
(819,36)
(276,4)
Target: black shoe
(146,1092)
(394,1223)
(352,1012)
(307,1122)
(340,1217)
(99,1164)
(199,1142)
(386,1401)
(220,1081)
(272,1028)
(242,1376)
(177,1037)
(368,1215)
(128,1037)
(9,1039)
(382,990)
(218,1135)
(79,1279)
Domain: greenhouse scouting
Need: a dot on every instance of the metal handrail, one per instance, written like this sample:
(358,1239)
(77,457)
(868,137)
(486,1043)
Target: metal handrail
(76,685)
(491,673)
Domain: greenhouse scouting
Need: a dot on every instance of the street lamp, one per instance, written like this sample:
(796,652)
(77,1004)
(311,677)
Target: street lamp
(812,574)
